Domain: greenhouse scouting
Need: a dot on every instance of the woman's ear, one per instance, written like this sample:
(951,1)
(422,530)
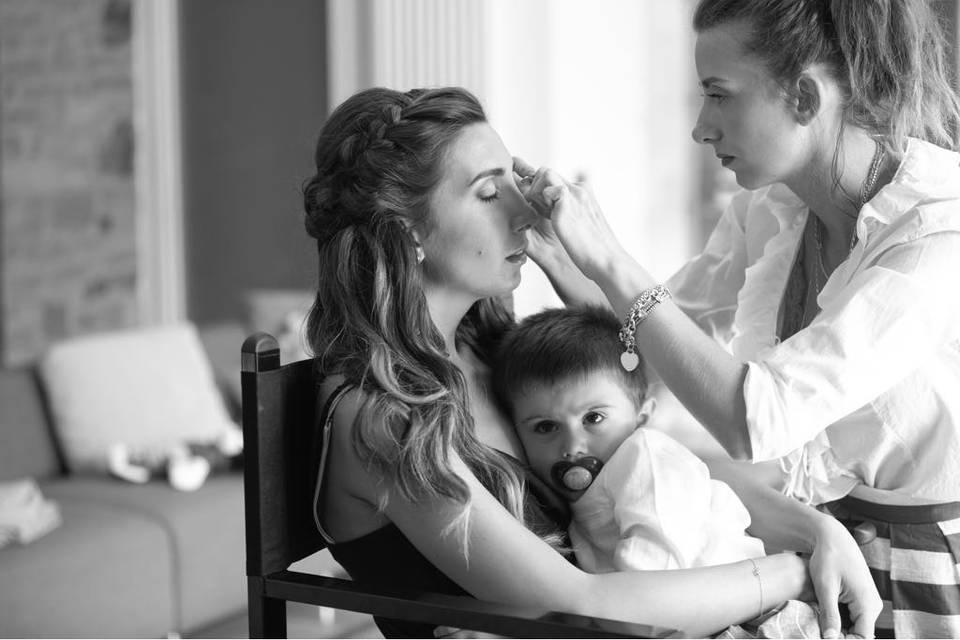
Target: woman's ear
(646,411)
(415,234)
(810,93)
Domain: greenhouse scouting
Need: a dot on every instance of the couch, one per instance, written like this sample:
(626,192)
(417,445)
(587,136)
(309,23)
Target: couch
(127,560)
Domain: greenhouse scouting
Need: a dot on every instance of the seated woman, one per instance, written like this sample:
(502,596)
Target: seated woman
(420,230)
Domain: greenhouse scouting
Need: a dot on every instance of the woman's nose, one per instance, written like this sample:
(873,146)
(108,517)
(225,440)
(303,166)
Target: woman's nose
(524,216)
(703,132)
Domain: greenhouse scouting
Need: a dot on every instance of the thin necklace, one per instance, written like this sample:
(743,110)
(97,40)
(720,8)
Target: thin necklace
(866,191)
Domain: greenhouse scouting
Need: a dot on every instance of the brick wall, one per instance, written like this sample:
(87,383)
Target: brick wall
(67,235)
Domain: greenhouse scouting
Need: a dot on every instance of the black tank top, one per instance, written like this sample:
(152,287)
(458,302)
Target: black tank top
(386,557)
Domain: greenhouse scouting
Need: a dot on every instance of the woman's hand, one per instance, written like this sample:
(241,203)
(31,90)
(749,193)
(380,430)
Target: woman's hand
(839,574)
(837,569)
(576,219)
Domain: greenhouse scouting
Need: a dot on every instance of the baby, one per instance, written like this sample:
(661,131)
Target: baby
(639,500)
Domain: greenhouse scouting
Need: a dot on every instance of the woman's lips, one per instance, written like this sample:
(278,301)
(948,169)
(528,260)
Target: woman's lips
(519,257)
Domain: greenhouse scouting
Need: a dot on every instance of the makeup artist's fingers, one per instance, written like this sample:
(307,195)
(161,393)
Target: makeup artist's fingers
(522,168)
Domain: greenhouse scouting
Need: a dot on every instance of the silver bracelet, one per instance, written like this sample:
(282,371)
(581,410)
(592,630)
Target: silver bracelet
(641,308)
(756,573)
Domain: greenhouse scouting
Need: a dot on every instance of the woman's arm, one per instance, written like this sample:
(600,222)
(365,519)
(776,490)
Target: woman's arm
(837,568)
(567,280)
(505,562)
(546,250)
(887,320)
(502,561)
(704,377)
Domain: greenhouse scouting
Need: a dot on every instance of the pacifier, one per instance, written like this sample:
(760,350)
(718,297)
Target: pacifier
(576,475)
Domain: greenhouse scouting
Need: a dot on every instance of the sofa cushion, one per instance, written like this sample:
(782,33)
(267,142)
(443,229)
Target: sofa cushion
(149,388)
(105,572)
(222,342)
(26,442)
(205,528)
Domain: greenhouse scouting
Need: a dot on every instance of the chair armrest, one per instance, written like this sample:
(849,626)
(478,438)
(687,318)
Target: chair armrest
(447,610)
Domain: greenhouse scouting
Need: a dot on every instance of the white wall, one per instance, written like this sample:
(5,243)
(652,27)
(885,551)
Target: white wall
(600,88)
(603,89)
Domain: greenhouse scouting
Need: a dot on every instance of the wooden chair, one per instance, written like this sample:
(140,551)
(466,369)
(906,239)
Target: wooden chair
(278,421)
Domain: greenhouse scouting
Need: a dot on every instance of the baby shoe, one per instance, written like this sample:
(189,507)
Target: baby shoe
(121,464)
(186,472)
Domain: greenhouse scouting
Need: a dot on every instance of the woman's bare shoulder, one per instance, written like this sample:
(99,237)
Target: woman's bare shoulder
(350,491)
(349,403)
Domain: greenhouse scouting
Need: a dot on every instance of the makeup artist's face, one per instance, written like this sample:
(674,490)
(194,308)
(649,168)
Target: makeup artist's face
(745,115)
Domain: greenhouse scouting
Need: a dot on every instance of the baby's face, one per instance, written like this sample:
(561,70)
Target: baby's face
(574,418)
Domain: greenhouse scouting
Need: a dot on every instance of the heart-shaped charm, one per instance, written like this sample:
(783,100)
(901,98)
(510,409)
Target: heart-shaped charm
(629,360)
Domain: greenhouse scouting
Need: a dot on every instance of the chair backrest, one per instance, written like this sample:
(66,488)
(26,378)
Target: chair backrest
(279,405)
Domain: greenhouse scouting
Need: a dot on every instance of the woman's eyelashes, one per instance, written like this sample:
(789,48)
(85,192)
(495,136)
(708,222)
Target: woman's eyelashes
(716,97)
(493,188)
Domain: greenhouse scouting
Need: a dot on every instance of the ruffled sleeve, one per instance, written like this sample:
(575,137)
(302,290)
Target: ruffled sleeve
(812,474)
(706,287)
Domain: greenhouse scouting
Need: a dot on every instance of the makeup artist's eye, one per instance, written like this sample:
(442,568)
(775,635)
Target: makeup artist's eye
(716,97)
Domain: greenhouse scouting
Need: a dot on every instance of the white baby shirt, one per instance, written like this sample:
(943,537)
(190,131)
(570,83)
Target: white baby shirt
(654,506)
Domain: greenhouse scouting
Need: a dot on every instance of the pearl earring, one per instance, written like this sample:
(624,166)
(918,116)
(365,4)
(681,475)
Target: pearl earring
(419,254)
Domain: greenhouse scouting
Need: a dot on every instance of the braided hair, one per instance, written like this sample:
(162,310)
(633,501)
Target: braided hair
(379,157)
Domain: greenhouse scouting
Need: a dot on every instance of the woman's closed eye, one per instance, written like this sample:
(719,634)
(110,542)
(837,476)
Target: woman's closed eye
(489,194)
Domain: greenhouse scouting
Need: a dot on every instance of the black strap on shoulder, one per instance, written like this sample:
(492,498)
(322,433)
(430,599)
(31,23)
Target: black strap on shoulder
(331,404)
(323,425)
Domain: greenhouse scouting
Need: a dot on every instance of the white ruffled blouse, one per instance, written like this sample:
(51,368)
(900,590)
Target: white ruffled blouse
(869,392)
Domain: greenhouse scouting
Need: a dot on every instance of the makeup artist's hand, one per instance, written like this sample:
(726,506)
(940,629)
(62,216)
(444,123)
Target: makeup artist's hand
(576,219)
(839,574)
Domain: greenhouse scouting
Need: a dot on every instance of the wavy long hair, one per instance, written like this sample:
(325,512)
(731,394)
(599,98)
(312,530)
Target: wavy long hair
(379,157)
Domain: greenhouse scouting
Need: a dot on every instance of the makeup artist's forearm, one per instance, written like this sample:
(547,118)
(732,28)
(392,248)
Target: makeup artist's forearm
(704,377)
(781,522)
(571,285)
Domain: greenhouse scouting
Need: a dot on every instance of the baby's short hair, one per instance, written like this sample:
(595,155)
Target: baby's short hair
(557,344)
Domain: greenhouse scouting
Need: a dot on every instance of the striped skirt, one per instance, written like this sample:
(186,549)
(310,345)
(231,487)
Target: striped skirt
(914,561)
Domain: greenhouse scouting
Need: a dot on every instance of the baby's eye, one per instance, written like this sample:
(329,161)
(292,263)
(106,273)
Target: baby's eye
(544,426)
(592,417)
